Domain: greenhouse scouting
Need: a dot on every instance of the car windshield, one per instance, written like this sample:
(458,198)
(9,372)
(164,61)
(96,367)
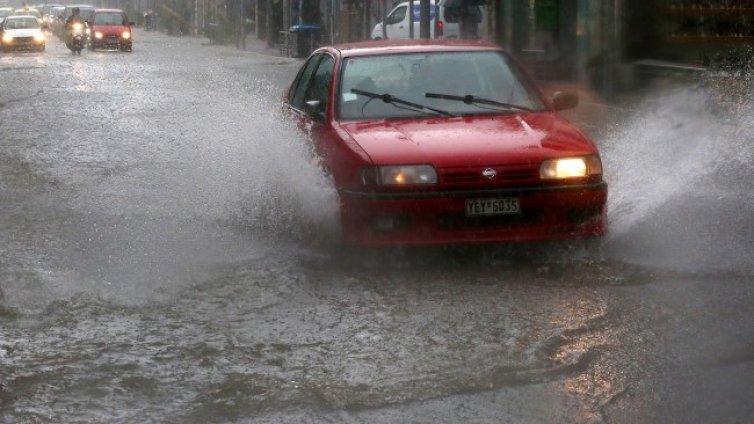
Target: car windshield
(488,75)
(113,18)
(21,23)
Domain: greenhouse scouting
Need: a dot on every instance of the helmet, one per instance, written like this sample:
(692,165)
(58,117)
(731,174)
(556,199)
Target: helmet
(75,10)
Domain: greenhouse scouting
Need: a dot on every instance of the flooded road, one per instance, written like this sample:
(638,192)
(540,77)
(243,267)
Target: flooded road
(168,254)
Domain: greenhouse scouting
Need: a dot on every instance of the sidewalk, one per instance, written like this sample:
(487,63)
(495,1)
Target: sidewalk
(255,45)
(593,115)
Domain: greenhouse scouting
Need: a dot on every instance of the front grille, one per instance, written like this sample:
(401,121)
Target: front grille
(506,175)
(23,40)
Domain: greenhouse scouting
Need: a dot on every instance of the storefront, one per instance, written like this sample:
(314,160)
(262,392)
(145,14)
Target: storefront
(609,44)
(559,39)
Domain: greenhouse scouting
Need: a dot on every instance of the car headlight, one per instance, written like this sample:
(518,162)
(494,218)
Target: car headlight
(562,168)
(7,38)
(39,37)
(126,35)
(399,175)
(98,35)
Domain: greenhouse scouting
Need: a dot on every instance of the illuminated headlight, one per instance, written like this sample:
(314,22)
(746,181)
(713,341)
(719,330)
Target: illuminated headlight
(562,168)
(98,35)
(399,175)
(126,35)
(39,37)
(7,38)
(77,26)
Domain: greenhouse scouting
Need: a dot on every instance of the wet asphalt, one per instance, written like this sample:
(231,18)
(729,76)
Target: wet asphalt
(168,253)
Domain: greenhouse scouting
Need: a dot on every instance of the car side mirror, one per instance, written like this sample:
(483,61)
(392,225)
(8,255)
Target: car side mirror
(313,108)
(563,100)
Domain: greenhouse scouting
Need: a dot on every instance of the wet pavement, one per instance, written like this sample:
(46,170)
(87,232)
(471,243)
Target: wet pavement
(168,254)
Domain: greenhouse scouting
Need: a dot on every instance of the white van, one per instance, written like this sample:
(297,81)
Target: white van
(397,26)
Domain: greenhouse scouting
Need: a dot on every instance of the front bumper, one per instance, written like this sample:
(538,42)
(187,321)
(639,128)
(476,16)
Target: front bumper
(439,218)
(111,43)
(23,43)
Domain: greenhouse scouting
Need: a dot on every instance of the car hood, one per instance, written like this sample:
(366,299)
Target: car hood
(29,32)
(110,29)
(468,141)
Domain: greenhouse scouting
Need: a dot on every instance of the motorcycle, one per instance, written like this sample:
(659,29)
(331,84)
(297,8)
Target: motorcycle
(78,38)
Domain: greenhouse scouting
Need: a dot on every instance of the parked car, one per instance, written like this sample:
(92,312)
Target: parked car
(446,142)
(22,32)
(110,29)
(444,21)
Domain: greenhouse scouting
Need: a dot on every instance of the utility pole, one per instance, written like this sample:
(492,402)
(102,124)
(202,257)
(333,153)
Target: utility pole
(411,19)
(424,19)
(610,47)
(268,23)
(384,18)
(286,14)
(367,22)
(196,17)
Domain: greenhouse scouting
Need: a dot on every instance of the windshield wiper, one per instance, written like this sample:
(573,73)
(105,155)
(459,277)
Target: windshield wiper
(469,99)
(389,98)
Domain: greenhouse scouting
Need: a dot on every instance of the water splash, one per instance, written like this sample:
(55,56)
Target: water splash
(680,173)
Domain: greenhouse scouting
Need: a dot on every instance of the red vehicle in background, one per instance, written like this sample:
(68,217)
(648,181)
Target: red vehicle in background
(110,29)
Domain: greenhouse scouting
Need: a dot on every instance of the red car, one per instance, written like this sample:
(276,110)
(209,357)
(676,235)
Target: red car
(110,29)
(446,142)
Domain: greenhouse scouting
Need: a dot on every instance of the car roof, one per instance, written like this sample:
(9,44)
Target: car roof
(381,47)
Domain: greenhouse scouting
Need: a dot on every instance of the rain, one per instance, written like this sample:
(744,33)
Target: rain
(170,247)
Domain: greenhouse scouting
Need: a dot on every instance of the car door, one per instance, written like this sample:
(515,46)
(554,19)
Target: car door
(396,24)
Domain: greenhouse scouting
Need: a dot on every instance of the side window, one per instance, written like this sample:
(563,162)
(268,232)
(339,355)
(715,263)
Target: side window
(319,89)
(301,84)
(398,15)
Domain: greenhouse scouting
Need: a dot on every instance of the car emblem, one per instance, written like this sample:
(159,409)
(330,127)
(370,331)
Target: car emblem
(489,173)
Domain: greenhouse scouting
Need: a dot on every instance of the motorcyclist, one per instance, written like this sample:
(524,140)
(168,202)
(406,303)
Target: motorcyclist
(73,19)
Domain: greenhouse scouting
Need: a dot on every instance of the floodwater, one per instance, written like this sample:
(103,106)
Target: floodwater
(168,254)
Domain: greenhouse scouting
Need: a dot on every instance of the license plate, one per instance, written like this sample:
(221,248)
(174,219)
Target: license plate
(498,206)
